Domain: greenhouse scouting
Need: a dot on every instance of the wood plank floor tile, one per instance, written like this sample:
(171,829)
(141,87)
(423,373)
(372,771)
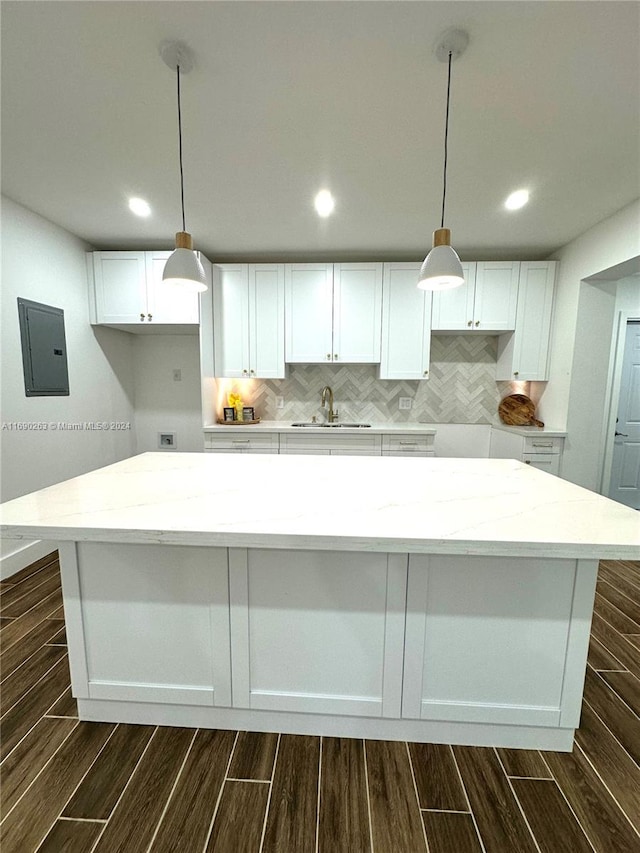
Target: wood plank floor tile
(34,567)
(58,613)
(101,788)
(27,825)
(23,716)
(21,680)
(596,810)
(253,756)
(396,823)
(187,821)
(27,760)
(4,621)
(135,818)
(21,597)
(448,832)
(524,762)
(616,768)
(500,821)
(25,602)
(628,606)
(59,638)
(623,578)
(291,820)
(619,719)
(627,686)
(600,658)
(634,639)
(614,617)
(552,821)
(343,824)
(71,836)
(65,706)
(437,778)
(239,819)
(624,651)
(17,654)
(20,627)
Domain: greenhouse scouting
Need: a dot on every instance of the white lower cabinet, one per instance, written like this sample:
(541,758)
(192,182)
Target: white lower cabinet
(406,445)
(540,451)
(238,440)
(362,444)
(318,631)
(155,622)
(467,631)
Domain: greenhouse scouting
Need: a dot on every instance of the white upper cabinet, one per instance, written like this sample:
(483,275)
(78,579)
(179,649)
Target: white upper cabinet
(486,302)
(248,317)
(333,312)
(126,288)
(524,355)
(406,324)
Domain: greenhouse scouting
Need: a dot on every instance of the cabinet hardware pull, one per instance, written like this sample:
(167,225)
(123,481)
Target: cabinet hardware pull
(241,441)
(252,372)
(542,443)
(150,316)
(426,373)
(527,462)
(244,372)
(335,356)
(409,443)
(469,323)
(477,322)
(329,356)
(516,373)
(142,318)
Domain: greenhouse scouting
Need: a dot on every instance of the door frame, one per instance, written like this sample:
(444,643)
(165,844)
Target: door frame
(614,380)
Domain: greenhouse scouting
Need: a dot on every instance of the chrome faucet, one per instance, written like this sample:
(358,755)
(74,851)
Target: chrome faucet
(332,416)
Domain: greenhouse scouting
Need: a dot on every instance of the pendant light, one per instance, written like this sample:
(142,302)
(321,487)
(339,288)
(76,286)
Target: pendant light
(183,267)
(442,269)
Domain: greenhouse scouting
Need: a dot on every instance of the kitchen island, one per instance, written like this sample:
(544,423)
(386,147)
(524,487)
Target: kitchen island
(443,600)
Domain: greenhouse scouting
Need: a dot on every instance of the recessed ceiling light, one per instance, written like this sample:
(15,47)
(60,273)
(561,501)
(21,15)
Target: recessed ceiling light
(517,200)
(324,203)
(139,206)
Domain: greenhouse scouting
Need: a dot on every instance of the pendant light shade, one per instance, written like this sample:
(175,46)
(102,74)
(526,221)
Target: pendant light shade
(183,268)
(441,269)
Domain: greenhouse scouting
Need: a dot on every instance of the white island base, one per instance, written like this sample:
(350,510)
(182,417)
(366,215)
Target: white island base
(442,648)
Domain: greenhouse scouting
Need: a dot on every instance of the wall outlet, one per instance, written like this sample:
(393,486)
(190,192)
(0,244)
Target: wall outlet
(279,402)
(177,375)
(167,440)
(405,402)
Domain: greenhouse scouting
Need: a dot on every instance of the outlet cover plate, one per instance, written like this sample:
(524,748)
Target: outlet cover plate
(405,402)
(167,440)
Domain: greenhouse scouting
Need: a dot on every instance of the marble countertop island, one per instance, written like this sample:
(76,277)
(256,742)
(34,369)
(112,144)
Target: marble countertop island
(437,506)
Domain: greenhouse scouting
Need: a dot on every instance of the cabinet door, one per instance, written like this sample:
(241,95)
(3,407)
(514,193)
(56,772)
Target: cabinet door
(231,322)
(167,303)
(120,287)
(266,321)
(543,462)
(453,309)
(496,295)
(317,632)
(533,320)
(308,312)
(406,324)
(357,312)
(153,624)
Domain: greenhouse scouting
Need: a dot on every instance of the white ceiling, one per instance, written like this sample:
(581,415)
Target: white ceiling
(289,97)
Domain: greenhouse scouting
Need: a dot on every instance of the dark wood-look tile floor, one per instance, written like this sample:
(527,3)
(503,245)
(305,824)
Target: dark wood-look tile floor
(85,787)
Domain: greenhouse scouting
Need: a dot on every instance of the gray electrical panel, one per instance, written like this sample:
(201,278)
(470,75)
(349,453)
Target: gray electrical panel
(44,350)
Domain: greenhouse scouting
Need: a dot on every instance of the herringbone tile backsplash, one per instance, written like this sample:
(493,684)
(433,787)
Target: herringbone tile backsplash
(461,388)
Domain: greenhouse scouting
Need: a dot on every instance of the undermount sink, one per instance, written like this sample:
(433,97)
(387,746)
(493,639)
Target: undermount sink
(332,426)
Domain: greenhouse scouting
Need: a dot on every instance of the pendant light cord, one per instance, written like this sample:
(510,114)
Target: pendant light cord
(184,227)
(446,137)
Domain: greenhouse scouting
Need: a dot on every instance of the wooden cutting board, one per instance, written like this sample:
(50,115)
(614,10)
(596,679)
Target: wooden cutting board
(518,410)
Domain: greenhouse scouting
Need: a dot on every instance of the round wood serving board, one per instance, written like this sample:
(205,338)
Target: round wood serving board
(518,410)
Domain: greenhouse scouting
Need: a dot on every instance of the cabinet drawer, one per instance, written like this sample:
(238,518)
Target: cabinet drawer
(394,445)
(549,462)
(543,444)
(241,442)
(360,445)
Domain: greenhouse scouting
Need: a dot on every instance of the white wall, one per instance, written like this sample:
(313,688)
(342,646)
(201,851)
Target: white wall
(583,326)
(162,404)
(45,263)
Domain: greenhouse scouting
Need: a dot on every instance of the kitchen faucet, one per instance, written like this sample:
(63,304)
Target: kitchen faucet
(332,416)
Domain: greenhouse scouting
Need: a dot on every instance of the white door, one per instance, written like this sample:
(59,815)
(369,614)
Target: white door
(266,321)
(357,312)
(168,303)
(453,309)
(496,295)
(120,283)
(308,312)
(625,466)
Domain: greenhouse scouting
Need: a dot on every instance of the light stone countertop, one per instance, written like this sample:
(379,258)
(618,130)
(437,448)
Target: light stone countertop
(531,430)
(286,426)
(347,503)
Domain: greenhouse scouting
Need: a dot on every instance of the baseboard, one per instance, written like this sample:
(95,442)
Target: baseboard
(10,564)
